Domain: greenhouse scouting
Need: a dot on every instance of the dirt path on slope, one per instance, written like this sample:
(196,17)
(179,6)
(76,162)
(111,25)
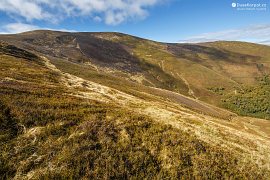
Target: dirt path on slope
(190,91)
(193,103)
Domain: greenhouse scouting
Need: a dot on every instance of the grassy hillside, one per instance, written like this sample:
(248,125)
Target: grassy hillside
(204,66)
(71,139)
(53,136)
(62,122)
(190,69)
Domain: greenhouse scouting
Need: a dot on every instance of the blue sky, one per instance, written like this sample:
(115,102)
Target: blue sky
(160,20)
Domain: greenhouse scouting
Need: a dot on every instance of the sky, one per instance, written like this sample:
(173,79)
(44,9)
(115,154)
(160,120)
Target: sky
(159,20)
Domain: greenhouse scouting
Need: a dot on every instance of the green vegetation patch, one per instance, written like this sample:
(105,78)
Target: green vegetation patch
(251,101)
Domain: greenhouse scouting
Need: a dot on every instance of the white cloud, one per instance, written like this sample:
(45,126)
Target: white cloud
(27,9)
(17,28)
(112,12)
(254,33)
(97,19)
(14,28)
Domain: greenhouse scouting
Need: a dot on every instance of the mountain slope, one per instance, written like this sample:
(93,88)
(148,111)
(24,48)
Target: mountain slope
(191,70)
(63,118)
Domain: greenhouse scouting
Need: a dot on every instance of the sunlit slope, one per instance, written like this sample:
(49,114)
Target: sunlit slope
(207,71)
(253,63)
(254,58)
(57,124)
(205,66)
